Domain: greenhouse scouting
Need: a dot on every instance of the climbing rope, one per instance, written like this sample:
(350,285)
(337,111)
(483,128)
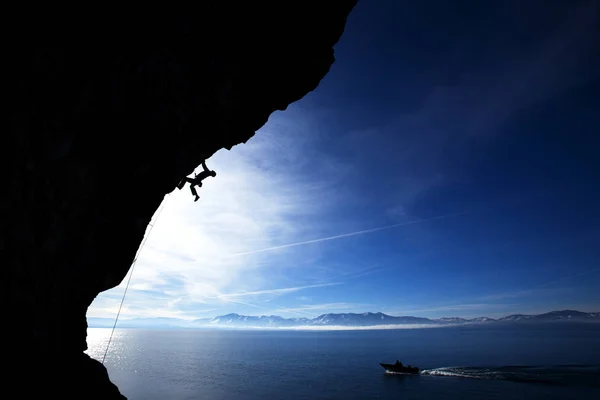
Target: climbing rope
(162,206)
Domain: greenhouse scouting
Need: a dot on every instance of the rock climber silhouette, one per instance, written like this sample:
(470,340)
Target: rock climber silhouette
(197,180)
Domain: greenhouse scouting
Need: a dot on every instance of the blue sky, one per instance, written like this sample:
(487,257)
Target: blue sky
(469,134)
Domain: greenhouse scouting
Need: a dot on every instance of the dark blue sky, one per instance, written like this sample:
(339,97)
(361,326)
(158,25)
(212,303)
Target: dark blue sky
(484,114)
(491,109)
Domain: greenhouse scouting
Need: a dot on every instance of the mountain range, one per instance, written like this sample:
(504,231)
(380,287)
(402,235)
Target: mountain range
(347,320)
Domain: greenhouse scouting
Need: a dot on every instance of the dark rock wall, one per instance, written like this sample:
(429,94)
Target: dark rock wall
(105,114)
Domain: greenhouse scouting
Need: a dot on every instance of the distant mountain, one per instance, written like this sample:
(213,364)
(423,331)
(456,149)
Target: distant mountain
(516,317)
(365,319)
(332,320)
(263,321)
(481,319)
(453,320)
(564,315)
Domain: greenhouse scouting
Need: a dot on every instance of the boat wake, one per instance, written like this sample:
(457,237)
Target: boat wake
(388,372)
(564,375)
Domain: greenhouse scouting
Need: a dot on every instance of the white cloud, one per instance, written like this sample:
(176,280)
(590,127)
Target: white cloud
(263,196)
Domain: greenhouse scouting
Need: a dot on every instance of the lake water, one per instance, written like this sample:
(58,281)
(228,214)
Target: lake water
(553,361)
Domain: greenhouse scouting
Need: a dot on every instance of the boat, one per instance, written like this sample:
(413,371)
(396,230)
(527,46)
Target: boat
(399,368)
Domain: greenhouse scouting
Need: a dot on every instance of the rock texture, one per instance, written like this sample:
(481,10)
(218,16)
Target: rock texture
(106,113)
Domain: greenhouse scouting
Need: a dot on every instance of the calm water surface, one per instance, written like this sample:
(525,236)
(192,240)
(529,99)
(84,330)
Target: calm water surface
(478,362)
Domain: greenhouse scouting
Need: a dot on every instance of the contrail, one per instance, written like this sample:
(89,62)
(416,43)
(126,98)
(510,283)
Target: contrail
(588,271)
(284,246)
(538,287)
(241,302)
(276,291)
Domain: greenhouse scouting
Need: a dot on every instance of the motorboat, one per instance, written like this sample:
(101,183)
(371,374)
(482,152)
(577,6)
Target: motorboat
(399,368)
